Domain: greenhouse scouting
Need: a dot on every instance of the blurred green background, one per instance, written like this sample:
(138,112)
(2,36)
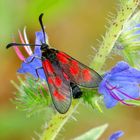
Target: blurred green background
(73,26)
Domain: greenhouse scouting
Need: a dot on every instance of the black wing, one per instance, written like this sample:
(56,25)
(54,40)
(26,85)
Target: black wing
(59,86)
(77,72)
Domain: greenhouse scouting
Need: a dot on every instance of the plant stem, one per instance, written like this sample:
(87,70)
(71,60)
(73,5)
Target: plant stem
(57,122)
(127,9)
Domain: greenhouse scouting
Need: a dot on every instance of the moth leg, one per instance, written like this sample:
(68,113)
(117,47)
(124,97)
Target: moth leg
(36,70)
(32,59)
(76,91)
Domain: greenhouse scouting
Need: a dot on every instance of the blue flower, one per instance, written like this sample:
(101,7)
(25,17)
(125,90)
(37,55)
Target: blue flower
(36,63)
(120,84)
(116,135)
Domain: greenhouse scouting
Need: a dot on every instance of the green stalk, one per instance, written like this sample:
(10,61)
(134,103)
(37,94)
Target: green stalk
(127,9)
(57,122)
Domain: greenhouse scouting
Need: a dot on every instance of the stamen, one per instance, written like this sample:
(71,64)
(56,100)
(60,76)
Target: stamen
(122,92)
(116,97)
(25,35)
(127,95)
(18,52)
(23,42)
(26,41)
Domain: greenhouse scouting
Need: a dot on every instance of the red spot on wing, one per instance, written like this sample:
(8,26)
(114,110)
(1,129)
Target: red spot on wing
(48,66)
(58,95)
(74,63)
(74,68)
(73,71)
(50,80)
(86,75)
(62,58)
(58,81)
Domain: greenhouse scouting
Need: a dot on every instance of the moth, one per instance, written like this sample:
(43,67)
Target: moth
(64,74)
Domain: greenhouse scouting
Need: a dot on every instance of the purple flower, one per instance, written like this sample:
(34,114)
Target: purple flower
(120,84)
(116,135)
(30,67)
(36,63)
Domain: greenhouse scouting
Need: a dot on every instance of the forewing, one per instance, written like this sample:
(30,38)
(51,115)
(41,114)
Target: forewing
(59,86)
(77,72)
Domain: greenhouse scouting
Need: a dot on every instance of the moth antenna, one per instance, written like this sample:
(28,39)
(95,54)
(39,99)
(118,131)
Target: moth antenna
(42,27)
(18,44)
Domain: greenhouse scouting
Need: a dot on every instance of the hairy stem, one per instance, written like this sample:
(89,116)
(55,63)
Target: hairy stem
(57,123)
(127,9)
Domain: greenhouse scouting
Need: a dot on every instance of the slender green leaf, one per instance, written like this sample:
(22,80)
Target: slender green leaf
(93,134)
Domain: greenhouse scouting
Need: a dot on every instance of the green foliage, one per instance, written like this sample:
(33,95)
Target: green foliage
(93,134)
(32,96)
(92,98)
(127,9)
(129,41)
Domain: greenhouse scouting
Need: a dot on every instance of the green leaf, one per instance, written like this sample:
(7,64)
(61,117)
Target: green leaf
(92,98)
(93,134)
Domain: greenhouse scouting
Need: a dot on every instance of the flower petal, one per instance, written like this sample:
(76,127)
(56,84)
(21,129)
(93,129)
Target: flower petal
(19,54)
(116,135)
(120,84)
(23,42)
(36,63)
(31,68)
(39,40)
(120,66)
(27,42)
(127,90)
(40,37)
(108,99)
(123,72)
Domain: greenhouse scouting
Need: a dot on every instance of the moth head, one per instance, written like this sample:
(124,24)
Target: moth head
(44,46)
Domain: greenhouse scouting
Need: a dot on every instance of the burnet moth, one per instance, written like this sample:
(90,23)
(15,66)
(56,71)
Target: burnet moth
(63,73)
